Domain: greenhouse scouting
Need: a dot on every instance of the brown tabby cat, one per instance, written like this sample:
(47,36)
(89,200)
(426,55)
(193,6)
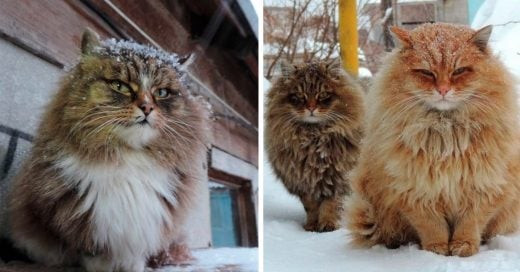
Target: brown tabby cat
(440,163)
(119,150)
(313,132)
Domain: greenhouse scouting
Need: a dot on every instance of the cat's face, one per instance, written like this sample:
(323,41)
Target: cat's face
(442,64)
(127,95)
(311,93)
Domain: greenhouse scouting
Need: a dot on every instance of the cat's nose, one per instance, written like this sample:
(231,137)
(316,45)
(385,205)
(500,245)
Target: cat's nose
(311,106)
(443,90)
(147,108)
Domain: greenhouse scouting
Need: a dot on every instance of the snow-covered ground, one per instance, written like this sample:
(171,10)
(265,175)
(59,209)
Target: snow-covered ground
(207,260)
(221,260)
(287,247)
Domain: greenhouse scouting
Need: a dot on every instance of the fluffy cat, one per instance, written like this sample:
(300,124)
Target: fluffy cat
(119,151)
(440,161)
(312,136)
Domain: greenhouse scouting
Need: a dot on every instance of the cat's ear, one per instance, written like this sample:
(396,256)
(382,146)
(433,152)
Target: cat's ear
(401,36)
(334,67)
(185,61)
(481,37)
(286,68)
(89,41)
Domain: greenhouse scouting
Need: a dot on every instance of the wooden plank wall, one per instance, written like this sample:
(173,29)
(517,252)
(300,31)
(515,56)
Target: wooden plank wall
(51,29)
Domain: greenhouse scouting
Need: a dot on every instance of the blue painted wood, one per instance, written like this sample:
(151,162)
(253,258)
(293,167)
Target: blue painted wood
(223,229)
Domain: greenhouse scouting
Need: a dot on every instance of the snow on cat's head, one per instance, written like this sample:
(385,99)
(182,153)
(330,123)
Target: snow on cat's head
(442,63)
(125,92)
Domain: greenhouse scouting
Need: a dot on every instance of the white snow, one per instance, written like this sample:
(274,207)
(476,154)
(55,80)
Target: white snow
(123,47)
(504,15)
(364,72)
(219,259)
(287,247)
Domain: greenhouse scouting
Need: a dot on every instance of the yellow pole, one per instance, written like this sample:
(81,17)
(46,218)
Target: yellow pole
(348,35)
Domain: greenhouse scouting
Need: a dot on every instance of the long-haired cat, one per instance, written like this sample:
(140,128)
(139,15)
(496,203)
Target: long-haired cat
(440,162)
(312,136)
(114,164)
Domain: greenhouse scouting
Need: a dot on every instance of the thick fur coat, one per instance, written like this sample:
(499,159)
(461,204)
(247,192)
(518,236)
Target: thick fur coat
(440,162)
(313,154)
(115,161)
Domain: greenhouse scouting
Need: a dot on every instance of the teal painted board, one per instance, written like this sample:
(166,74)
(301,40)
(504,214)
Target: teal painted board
(223,229)
(473,6)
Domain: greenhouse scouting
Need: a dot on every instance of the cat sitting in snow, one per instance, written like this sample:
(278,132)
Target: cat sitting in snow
(440,163)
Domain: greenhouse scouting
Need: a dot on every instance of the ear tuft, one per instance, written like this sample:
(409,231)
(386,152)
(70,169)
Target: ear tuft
(89,41)
(335,68)
(286,68)
(481,37)
(401,36)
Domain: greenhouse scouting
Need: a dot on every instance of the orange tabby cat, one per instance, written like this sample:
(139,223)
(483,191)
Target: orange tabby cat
(440,162)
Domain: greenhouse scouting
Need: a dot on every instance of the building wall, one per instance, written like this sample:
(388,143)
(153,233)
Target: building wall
(455,11)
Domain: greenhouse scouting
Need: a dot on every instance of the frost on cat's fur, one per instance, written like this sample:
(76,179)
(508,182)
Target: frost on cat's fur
(120,151)
(440,163)
(115,47)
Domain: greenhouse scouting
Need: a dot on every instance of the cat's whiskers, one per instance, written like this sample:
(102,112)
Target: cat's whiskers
(334,116)
(179,135)
(172,135)
(178,122)
(99,128)
(408,103)
(110,136)
(481,102)
(82,124)
(288,118)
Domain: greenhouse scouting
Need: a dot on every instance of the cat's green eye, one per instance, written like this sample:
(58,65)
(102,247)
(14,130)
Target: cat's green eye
(163,93)
(460,71)
(120,87)
(425,72)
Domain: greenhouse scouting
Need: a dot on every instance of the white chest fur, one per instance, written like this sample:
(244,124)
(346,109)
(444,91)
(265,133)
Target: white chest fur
(126,201)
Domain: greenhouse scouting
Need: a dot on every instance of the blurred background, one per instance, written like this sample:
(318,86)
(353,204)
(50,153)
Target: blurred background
(304,30)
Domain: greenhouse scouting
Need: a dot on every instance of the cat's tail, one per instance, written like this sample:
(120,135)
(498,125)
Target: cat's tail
(360,219)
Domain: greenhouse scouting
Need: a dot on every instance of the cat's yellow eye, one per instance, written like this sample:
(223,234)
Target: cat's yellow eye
(425,72)
(324,96)
(120,87)
(460,71)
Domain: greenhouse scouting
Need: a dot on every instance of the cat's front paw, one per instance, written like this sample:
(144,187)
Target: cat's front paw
(311,226)
(176,255)
(327,226)
(438,248)
(463,248)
